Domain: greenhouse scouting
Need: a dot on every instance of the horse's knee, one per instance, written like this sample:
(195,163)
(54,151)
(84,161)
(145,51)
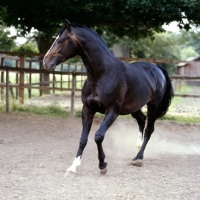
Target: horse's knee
(83,143)
(151,130)
(148,132)
(98,138)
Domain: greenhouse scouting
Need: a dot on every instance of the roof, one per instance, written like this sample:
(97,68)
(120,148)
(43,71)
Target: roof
(191,60)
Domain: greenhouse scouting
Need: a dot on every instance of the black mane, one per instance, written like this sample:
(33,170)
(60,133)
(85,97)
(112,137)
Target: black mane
(71,24)
(86,28)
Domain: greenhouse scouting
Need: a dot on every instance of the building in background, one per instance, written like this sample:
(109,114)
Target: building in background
(190,68)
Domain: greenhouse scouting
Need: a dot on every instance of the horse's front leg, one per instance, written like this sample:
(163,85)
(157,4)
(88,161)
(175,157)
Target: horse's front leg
(87,118)
(99,137)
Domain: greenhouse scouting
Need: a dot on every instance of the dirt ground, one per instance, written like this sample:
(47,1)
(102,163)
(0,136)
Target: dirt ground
(35,151)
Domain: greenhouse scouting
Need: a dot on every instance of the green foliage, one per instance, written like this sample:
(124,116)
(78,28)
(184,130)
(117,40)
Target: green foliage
(125,17)
(160,46)
(163,46)
(6,41)
(135,19)
(169,46)
(26,48)
(190,38)
(188,52)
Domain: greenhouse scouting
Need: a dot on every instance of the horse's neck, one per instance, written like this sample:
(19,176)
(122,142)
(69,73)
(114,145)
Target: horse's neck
(96,58)
(95,65)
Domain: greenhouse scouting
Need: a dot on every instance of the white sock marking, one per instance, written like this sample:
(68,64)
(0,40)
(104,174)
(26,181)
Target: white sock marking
(139,140)
(75,164)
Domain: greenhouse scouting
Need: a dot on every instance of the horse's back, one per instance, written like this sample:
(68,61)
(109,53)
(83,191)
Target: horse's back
(148,70)
(144,67)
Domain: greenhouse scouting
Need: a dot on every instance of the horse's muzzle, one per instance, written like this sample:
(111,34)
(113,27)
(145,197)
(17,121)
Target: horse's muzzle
(49,67)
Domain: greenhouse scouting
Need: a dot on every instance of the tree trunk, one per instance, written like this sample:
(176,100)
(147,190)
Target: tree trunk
(44,42)
(121,51)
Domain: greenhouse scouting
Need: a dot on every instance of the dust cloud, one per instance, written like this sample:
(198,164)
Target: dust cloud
(123,137)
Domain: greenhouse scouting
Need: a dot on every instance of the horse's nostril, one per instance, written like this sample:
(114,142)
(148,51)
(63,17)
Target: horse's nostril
(44,64)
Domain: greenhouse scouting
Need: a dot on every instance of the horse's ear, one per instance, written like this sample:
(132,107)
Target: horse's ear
(67,24)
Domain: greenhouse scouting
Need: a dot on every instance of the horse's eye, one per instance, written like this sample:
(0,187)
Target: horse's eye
(60,41)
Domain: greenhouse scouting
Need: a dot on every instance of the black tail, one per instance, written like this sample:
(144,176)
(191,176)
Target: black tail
(168,95)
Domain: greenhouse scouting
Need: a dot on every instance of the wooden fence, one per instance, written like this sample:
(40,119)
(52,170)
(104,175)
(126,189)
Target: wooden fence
(23,71)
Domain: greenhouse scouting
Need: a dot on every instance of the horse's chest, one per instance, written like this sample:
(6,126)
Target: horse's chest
(91,99)
(98,98)
(95,103)
(100,95)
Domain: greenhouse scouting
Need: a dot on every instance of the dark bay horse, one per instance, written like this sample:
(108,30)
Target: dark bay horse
(112,88)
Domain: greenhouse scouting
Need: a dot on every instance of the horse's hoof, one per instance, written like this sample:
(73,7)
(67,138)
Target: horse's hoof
(137,163)
(70,174)
(103,171)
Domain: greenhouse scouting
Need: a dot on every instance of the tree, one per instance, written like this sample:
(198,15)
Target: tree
(122,17)
(6,41)
(188,52)
(27,47)
(164,45)
(191,38)
(171,46)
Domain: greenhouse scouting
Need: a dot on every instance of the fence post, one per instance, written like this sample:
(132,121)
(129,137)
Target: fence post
(54,82)
(7,90)
(73,93)
(21,79)
(61,78)
(68,76)
(17,79)
(30,80)
(2,77)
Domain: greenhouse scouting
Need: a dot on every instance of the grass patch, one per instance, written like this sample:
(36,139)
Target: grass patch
(2,107)
(78,113)
(56,111)
(178,118)
(175,101)
(51,110)
(170,117)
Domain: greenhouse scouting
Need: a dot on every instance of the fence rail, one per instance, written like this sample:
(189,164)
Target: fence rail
(21,86)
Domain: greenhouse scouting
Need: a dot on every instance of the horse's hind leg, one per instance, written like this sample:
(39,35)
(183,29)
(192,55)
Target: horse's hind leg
(140,118)
(148,131)
(87,118)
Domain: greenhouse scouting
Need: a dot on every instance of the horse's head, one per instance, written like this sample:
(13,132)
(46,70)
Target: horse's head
(63,48)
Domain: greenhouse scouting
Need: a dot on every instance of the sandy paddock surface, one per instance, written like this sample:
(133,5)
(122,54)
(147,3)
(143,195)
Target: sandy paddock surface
(35,151)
